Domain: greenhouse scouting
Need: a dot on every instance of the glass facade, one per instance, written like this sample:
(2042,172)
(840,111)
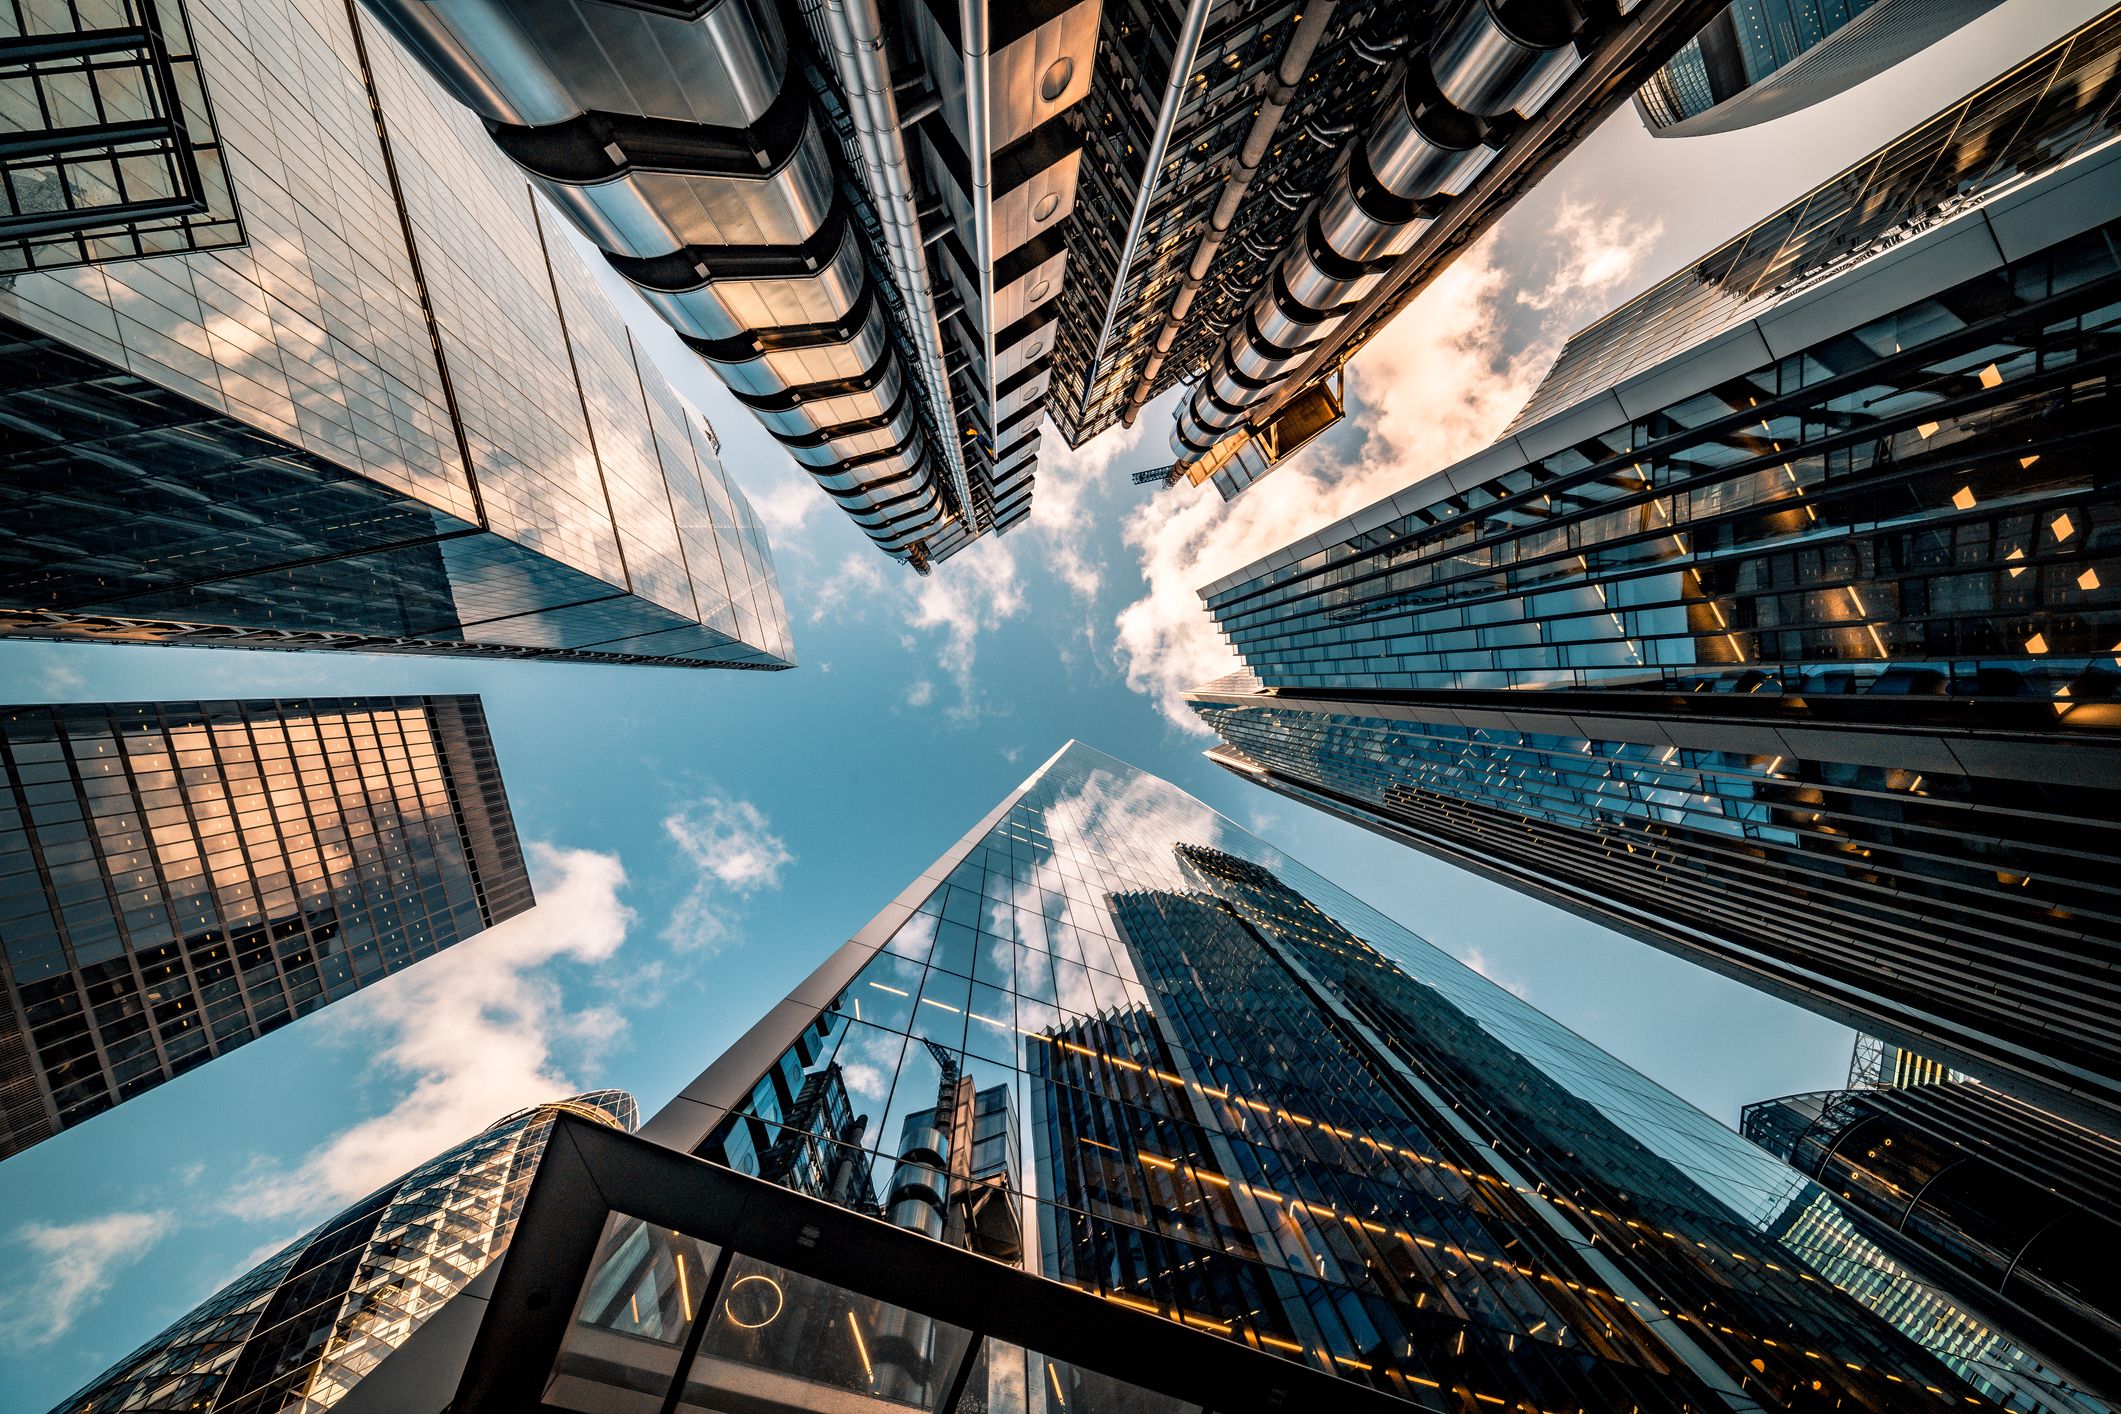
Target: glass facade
(402,418)
(299,1331)
(2014,1206)
(1761,59)
(1827,1234)
(2057,106)
(1226,1093)
(179,878)
(111,151)
(1805,670)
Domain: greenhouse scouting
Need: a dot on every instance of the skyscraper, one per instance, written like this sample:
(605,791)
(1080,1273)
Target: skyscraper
(907,232)
(2011,1205)
(399,417)
(301,1329)
(179,878)
(1762,59)
(1268,1150)
(1461,107)
(1780,630)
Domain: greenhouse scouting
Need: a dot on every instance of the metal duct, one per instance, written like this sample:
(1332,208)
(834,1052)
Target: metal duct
(1492,58)
(1295,62)
(1183,52)
(688,149)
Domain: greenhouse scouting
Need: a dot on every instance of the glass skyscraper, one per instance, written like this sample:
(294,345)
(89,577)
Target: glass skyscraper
(1762,59)
(1220,1136)
(179,878)
(2013,1206)
(300,1330)
(1782,628)
(400,417)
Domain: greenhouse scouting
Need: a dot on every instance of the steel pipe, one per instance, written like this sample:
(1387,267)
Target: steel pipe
(1295,63)
(1427,145)
(1183,53)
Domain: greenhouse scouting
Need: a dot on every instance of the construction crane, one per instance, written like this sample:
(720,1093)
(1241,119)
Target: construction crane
(1160,476)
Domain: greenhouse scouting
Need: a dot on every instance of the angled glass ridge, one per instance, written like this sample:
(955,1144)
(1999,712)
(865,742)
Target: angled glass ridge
(1794,649)
(403,418)
(299,1331)
(180,878)
(1112,1041)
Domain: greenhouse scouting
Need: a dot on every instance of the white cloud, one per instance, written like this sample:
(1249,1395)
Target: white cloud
(731,844)
(77,1262)
(1480,962)
(1435,385)
(785,510)
(857,581)
(476,1029)
(61,679)
(1059,513)
(974,591)
(1597,255)
(920,694)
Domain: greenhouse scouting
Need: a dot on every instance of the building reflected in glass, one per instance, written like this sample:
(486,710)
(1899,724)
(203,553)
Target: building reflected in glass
(403,417)
(1762,59)
(1780,631)
(298,1332)
(1211,1086)
(2012,1205)
(179,878)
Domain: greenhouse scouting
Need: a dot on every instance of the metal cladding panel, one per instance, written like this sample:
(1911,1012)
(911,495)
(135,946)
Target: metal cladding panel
(1036,76)
(1036,203)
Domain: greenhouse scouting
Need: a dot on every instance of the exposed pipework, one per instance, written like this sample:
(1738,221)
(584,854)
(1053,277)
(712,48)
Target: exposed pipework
(690,152)
(858,55)
(1493,58)
(972,17)
(1295,62)
(1183,53)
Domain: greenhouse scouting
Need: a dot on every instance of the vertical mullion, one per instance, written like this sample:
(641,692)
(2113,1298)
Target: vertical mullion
(958,1381)
(694,1336)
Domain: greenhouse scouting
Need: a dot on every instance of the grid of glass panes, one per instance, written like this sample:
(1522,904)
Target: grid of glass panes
(2060,103)
(1985,1359)
(185,877)
(1207,1140)
(113,152)
(1924,490)
(1830,862)
(294,1334)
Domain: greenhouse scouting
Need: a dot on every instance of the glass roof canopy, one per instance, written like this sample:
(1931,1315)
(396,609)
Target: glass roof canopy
(623,1244)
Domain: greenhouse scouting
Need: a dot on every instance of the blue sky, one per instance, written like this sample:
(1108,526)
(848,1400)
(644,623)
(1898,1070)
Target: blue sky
(703,839)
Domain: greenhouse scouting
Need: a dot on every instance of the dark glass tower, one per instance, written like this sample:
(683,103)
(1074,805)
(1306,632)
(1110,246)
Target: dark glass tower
(1761,59)
(2014,1207)
(179,878)
(1267,1149)
(1781,630)
(300,1330)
